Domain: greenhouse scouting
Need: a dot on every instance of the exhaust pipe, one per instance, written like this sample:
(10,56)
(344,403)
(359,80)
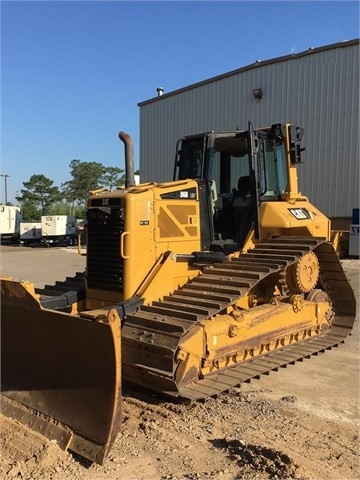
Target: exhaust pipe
(129,159)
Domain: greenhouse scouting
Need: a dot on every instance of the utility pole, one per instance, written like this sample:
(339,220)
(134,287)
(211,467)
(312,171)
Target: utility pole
(5,179)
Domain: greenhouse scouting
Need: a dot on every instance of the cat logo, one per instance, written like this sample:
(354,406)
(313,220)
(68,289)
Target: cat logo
(300,213)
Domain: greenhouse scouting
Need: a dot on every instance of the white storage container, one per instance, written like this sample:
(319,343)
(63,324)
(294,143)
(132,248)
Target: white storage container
(58,225)
(30,232)
(354,240)
(10,218)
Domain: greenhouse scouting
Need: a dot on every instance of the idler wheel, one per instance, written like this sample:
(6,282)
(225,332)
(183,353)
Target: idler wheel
(318,296)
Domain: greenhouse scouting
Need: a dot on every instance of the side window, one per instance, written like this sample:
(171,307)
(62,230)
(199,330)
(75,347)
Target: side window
(191,159)
(281,167)
(272,168)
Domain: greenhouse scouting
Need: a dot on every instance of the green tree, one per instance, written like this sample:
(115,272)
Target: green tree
(39,191)
(112,177)
(59,208)
(63,208)
(29,212)
(86,176)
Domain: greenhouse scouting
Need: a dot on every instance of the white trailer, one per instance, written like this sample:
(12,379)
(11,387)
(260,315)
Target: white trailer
(10,218)
(30,233)
(58,230)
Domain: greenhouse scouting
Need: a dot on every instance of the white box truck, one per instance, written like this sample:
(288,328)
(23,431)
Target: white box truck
(10,218)
(30,233)
(58,230)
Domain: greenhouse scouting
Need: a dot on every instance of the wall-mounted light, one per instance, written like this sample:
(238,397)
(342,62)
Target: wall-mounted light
(258,93)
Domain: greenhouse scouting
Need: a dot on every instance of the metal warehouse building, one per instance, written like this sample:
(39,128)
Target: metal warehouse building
(317,89)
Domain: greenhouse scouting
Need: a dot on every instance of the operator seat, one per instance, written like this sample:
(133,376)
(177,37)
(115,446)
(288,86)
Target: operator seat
(242,208)
(243,187)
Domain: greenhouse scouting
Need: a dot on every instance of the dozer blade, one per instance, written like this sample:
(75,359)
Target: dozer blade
(60,373)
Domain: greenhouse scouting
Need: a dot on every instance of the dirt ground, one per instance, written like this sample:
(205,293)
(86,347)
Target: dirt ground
(300,422)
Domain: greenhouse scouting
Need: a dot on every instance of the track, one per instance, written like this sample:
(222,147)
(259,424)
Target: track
(63,294)
(150,337)
(60,287)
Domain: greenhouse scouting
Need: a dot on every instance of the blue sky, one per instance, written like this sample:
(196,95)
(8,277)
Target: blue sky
(73,72)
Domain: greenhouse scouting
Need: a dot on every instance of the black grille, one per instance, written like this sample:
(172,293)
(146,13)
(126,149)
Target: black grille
(104,264)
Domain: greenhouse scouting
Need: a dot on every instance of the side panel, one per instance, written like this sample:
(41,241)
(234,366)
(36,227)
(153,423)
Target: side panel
(159,219)
(137,246)
(278,218)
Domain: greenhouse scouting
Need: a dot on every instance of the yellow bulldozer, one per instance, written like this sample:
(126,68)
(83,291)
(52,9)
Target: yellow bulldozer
(191,287)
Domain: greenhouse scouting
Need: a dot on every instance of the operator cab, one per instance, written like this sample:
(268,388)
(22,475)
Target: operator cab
(236,171)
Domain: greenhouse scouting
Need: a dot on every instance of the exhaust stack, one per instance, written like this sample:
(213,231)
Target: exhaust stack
(129,159)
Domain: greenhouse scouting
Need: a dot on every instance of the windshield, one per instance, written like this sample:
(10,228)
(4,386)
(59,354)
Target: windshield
(223,159)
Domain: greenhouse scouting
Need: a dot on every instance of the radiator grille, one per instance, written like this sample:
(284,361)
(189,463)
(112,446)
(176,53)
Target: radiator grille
(104,264)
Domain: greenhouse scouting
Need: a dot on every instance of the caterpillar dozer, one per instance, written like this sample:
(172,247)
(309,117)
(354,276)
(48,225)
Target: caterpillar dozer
(191,287)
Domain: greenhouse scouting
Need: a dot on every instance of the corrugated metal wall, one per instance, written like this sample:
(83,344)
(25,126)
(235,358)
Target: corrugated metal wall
(317,89)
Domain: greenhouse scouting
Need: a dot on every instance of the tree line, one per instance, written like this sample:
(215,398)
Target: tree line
(41,197)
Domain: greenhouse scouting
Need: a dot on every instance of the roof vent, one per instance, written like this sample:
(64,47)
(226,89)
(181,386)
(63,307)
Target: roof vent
(160,91)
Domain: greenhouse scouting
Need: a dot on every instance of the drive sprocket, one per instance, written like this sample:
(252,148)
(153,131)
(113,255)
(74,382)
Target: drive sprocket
(303,275)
